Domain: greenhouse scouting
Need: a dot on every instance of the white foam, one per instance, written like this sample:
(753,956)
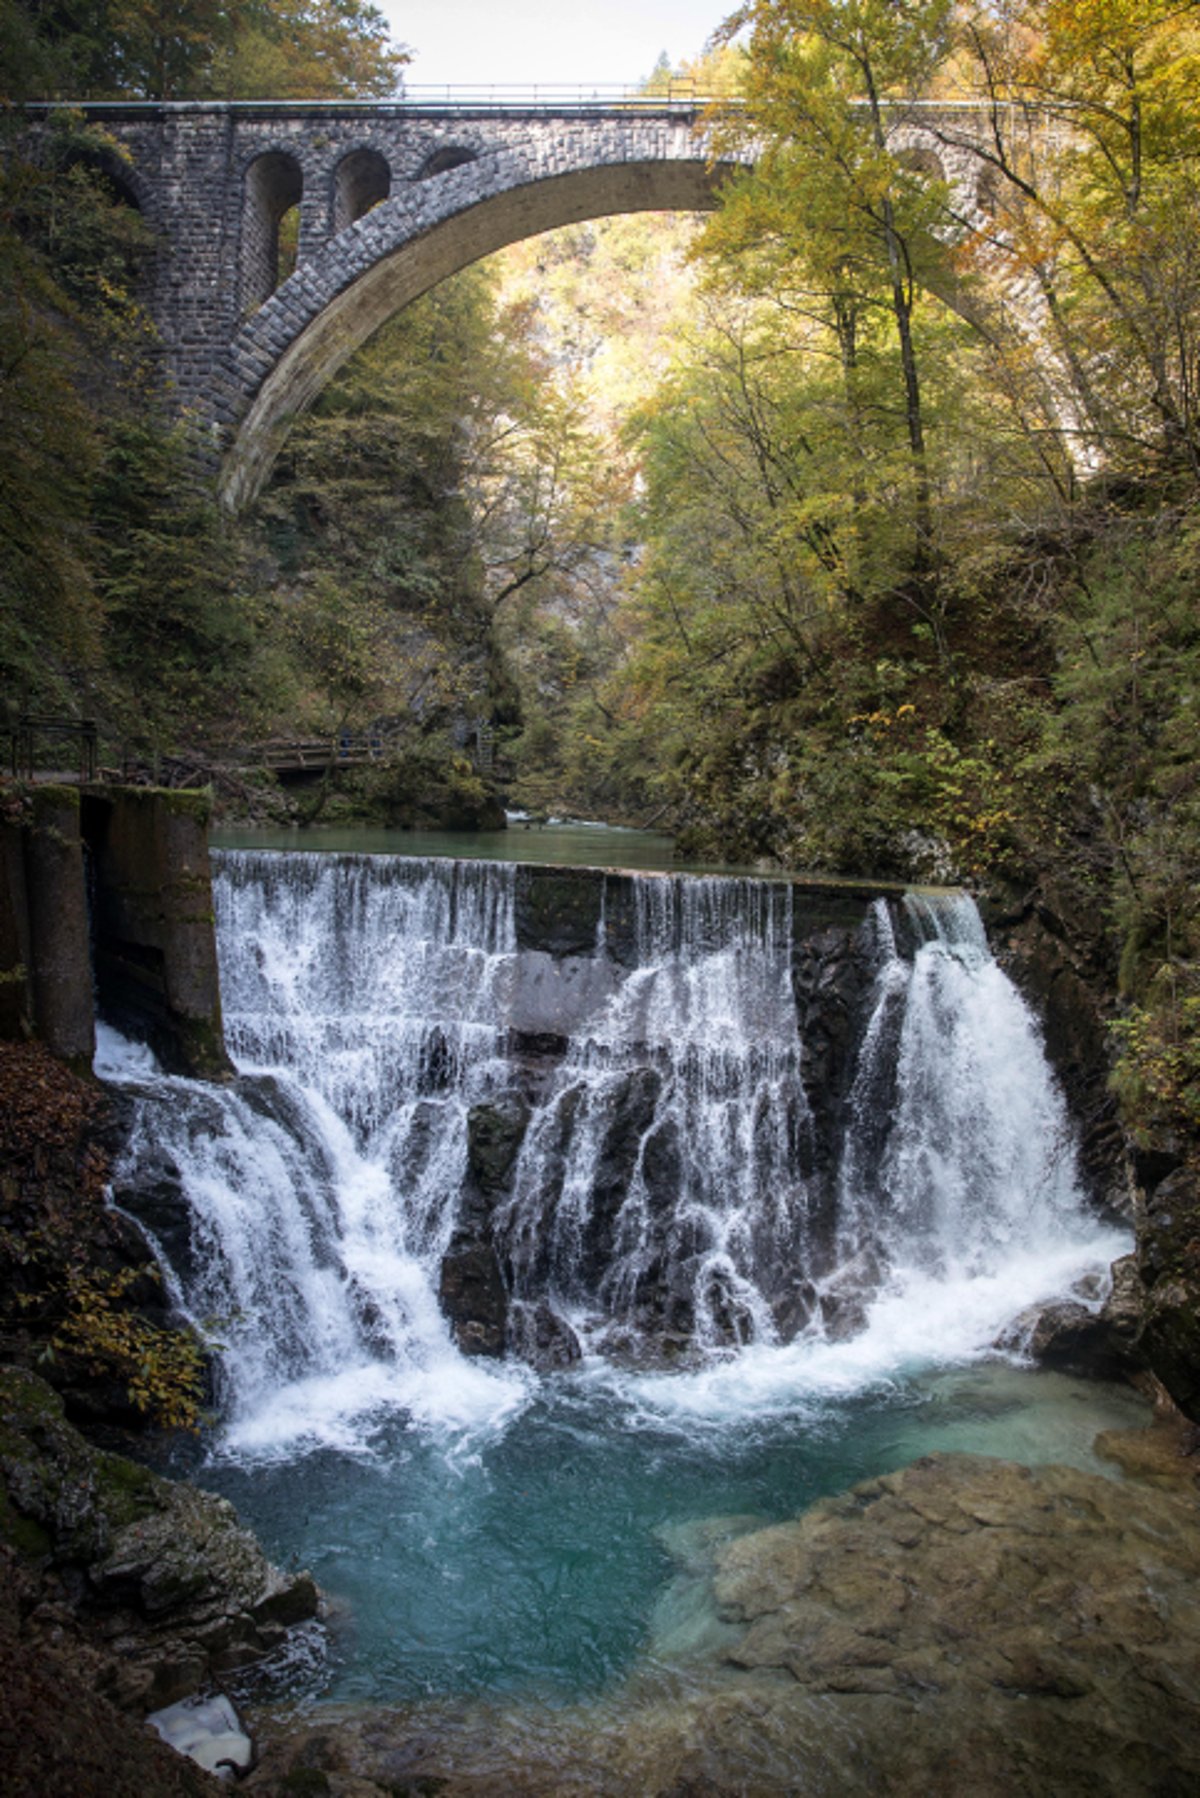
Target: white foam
(920,1321)
(119,1059)
(460,1401)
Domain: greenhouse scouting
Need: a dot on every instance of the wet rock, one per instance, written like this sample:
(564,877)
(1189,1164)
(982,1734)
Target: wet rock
(163,1575)
(833,974)
(1165,1455)
(473,1297)
(970,1579)
(158,1202)
(61,1738)
(630,1112)
(537,1334)
(793,1307)
(1070,1335)
(1082,1337)
(495,1132)
(1123,1308)
(1168,1258)
(845,1299)
(730,1318)
(1044,947)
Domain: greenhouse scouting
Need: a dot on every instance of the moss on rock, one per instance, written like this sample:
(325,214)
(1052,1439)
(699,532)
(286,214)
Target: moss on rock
(162,1572)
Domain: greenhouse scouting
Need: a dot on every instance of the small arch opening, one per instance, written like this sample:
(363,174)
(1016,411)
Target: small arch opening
(270,233)
(450,156)
(110,174)
(919,161)
(362,179)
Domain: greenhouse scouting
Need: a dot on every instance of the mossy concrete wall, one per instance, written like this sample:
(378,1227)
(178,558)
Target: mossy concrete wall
(106,901)
(45,964)
(16,957)
(576,928)
(154,944)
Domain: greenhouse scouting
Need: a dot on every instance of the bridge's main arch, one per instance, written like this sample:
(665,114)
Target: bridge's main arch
(391,197)
(400,249)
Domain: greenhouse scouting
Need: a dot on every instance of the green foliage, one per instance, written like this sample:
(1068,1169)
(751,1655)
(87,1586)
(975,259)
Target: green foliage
(1102,227)
(308,50)
(161,1370)
(165,576)
(1157,1076)
(198,49)
(68,255)
(61,1296)
(118,580)
(374,582)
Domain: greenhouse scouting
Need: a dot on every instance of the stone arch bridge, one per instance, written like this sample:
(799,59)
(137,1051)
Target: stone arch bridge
(392,197)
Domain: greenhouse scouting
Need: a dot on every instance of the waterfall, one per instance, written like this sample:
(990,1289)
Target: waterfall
(668,1193)
(960,1145)
(661,1172)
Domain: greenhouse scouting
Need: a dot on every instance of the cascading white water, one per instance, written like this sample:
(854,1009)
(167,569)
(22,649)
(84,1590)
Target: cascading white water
(363,1007)
(961,1149)
(664,1181)
(661,1173)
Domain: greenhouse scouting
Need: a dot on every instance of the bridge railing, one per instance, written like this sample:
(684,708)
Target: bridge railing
(676,92)
(679,94)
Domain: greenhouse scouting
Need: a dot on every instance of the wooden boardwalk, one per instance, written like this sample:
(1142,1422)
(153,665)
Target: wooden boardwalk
(317,755)
(28,733)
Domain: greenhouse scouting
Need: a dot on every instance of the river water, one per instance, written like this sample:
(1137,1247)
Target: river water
(485,1527)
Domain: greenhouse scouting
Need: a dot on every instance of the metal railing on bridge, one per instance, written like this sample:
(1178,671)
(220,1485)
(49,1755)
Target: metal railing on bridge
(679,93)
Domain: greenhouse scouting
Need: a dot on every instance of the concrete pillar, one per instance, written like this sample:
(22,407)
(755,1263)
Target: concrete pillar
(16,960)
(57,910)
(154,940)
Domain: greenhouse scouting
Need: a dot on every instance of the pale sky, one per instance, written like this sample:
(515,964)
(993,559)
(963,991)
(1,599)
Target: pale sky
(473,42)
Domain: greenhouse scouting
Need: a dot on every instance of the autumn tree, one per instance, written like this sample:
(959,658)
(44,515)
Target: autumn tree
(1092,140)
(831,201)
(197,49)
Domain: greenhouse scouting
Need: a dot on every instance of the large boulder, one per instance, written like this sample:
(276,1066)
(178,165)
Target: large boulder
(495,1132)
(161,1574)
(473,1296)
(539,1336)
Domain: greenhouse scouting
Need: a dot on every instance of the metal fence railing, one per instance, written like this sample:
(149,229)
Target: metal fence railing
(30,737)
(677,94)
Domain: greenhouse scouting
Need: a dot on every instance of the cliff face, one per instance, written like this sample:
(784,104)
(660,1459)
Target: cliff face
(1154,1182)
(122,1590)
(81,1298)
(159,1578)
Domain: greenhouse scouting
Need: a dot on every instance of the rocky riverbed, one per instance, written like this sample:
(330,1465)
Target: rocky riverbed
(963,1626)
